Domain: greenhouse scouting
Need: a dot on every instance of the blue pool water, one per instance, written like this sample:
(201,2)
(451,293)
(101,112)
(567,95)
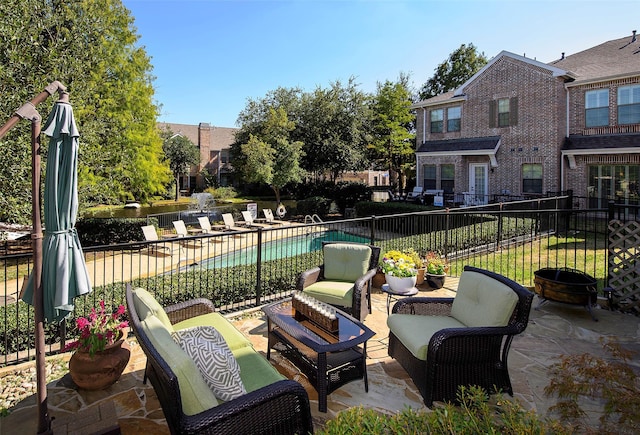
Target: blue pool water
(281,249)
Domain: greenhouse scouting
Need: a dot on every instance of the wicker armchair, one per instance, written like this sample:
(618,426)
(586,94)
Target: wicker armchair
(279,408)
(349,298)
(463,355)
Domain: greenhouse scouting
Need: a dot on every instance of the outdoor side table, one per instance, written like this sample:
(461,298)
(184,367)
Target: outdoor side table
(328,360)
(394,295)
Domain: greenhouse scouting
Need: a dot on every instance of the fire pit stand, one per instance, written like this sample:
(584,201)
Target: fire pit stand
(566,285)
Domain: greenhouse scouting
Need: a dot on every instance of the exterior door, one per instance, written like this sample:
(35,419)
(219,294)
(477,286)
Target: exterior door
(479,183)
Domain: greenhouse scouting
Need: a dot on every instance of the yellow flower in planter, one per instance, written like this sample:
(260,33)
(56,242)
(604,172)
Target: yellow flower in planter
(396,263)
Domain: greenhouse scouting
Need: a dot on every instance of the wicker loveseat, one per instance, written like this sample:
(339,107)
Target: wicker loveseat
(272,404)
(344,279)
(444,343)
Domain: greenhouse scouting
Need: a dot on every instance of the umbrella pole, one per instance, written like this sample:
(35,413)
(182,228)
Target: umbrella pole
(44,421)
(28,111)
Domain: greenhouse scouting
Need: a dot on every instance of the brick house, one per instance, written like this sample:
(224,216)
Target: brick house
(214,144)
(522,128)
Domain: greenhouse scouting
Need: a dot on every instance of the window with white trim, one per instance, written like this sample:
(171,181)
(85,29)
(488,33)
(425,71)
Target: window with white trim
(532,178)
(437,119)
(596,106)
(429,176)
(453,118)
(629,104)
(447,178)
(620,183)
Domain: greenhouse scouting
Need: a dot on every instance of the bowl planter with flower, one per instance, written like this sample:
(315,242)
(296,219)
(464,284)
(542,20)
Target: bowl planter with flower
(436,269)
(102,352)
(399,271)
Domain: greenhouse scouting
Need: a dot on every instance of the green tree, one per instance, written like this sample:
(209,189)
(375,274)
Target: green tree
(393,126)
(461,65)
(270,156)
(333,126)
(181,154)
(90,46)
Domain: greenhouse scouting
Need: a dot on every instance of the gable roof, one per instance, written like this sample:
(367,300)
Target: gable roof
(616,58)
(612,59)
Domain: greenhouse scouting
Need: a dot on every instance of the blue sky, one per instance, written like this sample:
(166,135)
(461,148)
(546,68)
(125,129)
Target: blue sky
(210,56)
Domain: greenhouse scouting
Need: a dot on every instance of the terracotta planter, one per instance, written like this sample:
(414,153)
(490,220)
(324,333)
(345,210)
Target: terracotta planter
(435,281)
(102,369)
(420,276)
(401,284)
(378,280)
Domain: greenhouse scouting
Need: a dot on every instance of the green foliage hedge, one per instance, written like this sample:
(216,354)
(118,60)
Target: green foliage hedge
(97,232)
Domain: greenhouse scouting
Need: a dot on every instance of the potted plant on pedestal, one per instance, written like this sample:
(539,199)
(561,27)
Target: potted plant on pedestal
(436,269)
(102,352)
(399,271)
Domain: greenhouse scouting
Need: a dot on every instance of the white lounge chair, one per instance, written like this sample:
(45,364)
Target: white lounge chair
(151,235)
(205,226)
(248,219)
(230,223)
(181,231)
(270,219)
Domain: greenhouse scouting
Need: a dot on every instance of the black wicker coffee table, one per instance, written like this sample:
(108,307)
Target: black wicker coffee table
(329,360)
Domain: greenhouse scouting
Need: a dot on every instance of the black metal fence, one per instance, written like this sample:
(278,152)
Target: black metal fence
(239,270)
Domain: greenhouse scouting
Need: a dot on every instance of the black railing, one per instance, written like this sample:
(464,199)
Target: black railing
(245,269)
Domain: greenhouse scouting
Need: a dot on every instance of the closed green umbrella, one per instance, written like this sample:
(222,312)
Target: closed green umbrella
(64,272)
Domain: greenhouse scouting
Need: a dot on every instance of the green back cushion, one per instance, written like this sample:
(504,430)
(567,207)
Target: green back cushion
(483,301)
(345,262)
(234,338)
(146,305)
(196,395)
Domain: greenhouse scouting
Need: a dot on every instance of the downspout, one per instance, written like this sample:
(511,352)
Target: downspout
(566,136)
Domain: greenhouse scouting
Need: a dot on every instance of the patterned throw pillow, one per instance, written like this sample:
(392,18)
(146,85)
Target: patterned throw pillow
(211,354)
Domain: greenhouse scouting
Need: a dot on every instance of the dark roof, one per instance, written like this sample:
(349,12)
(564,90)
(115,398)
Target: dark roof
(465,144)
(578,142)
(609,59)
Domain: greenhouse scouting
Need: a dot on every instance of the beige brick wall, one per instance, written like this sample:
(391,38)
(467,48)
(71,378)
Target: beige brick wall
(537,137)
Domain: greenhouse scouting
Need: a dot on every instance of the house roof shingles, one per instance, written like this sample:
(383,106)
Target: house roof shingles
(465,144)
(579,142)
(618,57)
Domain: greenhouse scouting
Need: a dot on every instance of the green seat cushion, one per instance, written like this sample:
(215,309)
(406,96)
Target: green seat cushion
(415,331)
(234,338)
(147,305)
(345,261)
(483,301)
(332,292)
(255,370)
(194,392)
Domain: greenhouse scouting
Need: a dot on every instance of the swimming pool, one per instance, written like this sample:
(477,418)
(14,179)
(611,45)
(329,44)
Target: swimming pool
(282,248)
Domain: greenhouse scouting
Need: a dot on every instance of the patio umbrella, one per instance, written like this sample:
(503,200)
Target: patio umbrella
(64,272)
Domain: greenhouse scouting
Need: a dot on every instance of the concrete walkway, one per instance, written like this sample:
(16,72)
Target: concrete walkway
(553,330)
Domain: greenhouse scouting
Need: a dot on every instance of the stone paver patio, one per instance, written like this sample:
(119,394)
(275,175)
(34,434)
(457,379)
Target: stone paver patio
(553,330)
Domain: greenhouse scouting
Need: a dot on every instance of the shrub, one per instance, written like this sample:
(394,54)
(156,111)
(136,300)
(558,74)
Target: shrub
(314,205)
(221,193)
(612,380)
(476,415)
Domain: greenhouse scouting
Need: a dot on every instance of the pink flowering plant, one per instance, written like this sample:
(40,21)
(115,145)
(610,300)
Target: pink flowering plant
(99,330)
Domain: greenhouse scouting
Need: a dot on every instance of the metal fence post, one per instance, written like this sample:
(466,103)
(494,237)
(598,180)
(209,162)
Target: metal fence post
(259,266)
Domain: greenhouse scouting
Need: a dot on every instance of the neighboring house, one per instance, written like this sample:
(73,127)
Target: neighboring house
(214,144)
(522,128)
(370,178)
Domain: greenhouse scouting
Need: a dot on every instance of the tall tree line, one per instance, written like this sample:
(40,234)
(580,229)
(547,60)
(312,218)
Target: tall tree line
(91,47)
